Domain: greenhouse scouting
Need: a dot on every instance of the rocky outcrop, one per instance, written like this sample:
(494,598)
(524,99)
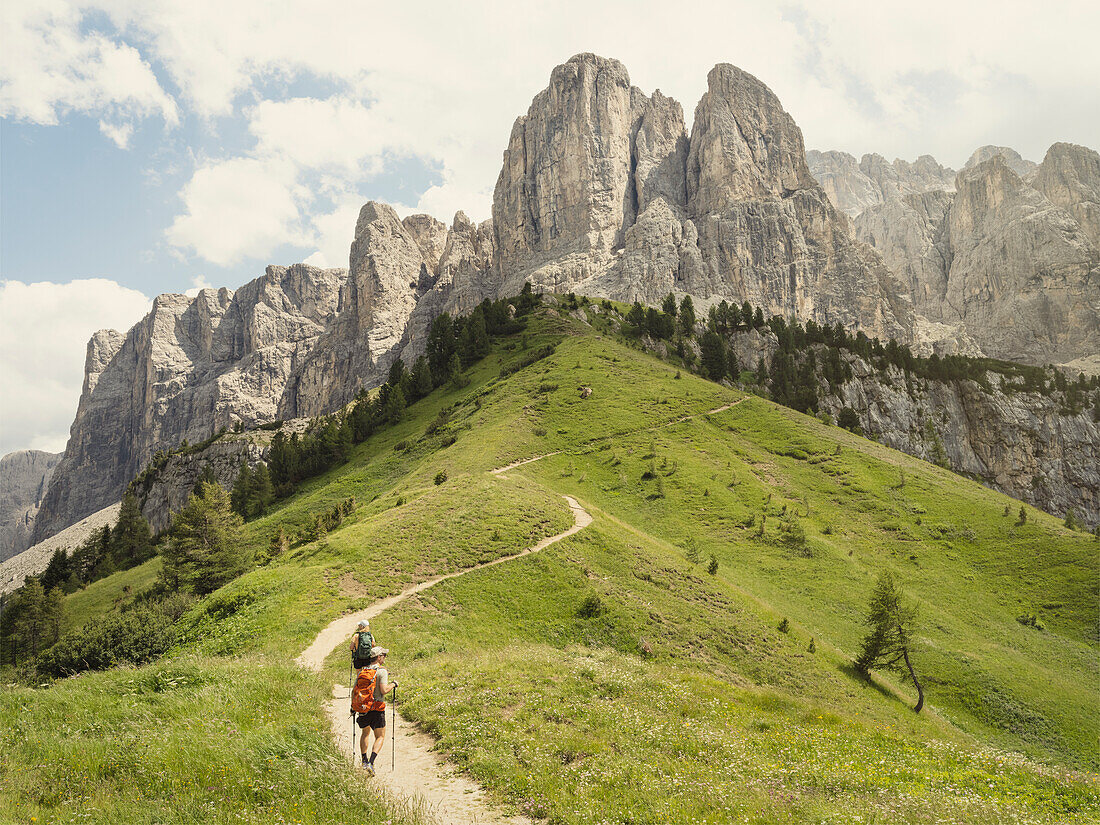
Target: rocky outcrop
(1023,168)
(592,197)
(1069,177)
(999,260)
(23,478)
(402,275)
(1022,444)
(164,492)
(189,368)
(854,188)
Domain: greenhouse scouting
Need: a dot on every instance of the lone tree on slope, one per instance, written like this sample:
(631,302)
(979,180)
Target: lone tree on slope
(887,642)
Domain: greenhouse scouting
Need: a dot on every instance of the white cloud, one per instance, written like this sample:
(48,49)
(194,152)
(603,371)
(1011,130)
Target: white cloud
(44,329)
(239,208)
(49,66)
(198,284)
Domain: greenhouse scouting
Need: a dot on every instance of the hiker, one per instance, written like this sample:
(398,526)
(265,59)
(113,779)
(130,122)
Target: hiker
(361,643)
(369,701)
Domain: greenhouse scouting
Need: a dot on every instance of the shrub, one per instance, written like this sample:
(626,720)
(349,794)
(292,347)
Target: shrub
(590,608)
(135,637)
(849,420)
(1031,620)
(784,626)
(712,568)
(440,477)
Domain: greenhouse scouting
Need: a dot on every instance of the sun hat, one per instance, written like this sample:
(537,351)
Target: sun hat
(375,652)
(364,623)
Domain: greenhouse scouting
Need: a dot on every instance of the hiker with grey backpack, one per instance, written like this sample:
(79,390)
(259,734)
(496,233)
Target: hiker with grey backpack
(368,700)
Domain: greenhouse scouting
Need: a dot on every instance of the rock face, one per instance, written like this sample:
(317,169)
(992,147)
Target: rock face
(190,367)
(1023,168)
(1023,444)
(1019,443)
(854,188)
(166,491)
(297,342)
(602,192)
(1000,259)
(23,479)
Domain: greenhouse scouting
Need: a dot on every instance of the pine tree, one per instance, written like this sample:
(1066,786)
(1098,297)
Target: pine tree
(458,380)
(440,347)
(243,490)
(59,569)
(890,634)
(686,318)
(131,539)
(205,549)
(30,624)
(264,491)
(422,377)
(395,404)
(206,476)
(636,318)
(713,355)
(669,306)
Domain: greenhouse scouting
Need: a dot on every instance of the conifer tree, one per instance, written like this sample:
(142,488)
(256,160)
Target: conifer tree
(205,549)
(206,476)
(131,539)
(422,377)
(394,409)
(458,380)
(58,570)
(890,634)
(686,319)
(264,491)
(30,623)
(713,355)
(669,306)
(243,490)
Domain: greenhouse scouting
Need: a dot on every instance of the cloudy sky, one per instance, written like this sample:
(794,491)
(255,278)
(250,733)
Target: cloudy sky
(152,147)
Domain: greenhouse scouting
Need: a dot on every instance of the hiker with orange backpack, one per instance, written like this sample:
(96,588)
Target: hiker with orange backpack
(368,699)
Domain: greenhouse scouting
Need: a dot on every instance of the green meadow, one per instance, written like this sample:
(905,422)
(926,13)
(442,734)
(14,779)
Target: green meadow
(613,677)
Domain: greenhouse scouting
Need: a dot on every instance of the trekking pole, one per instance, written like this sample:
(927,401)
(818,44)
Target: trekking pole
(393,738)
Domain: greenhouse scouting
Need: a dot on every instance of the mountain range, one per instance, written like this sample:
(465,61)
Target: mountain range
(604,192)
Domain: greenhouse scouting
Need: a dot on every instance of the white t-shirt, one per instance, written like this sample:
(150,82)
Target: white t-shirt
(381,677)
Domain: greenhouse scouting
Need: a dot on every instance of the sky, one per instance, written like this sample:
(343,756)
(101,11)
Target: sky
(150,147)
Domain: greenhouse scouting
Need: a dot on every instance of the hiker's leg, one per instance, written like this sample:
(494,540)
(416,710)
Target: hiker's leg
(379,738)
(363,739)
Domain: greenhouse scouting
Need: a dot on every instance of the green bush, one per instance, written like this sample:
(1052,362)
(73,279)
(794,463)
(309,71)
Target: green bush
(134,637)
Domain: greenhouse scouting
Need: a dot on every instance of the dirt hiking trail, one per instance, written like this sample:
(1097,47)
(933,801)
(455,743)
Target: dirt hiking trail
(422,781)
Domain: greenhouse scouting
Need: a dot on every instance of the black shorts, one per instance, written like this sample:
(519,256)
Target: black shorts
(375,719)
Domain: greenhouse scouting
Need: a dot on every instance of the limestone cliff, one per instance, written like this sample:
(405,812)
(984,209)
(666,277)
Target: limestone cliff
(190,367)
(855,187)
(602,192)
(24,476)
(1016,269)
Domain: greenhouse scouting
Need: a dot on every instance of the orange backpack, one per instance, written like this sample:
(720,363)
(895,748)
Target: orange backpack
(362,695)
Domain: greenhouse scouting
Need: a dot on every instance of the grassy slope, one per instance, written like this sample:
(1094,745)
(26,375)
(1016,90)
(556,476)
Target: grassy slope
(565,716)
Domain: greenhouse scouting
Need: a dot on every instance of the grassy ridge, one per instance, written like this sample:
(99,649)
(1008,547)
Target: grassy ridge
(678,682)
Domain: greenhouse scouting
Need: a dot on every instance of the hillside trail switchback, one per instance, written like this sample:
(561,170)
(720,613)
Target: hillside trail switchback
(424,781)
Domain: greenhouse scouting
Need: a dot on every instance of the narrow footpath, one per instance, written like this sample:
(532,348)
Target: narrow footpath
(422,781)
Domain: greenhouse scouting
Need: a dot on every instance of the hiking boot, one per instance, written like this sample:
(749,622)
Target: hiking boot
(369,768)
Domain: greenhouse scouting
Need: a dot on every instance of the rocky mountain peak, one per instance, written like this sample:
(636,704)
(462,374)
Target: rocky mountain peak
(744,146)
(1069,176)
(1011,157)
